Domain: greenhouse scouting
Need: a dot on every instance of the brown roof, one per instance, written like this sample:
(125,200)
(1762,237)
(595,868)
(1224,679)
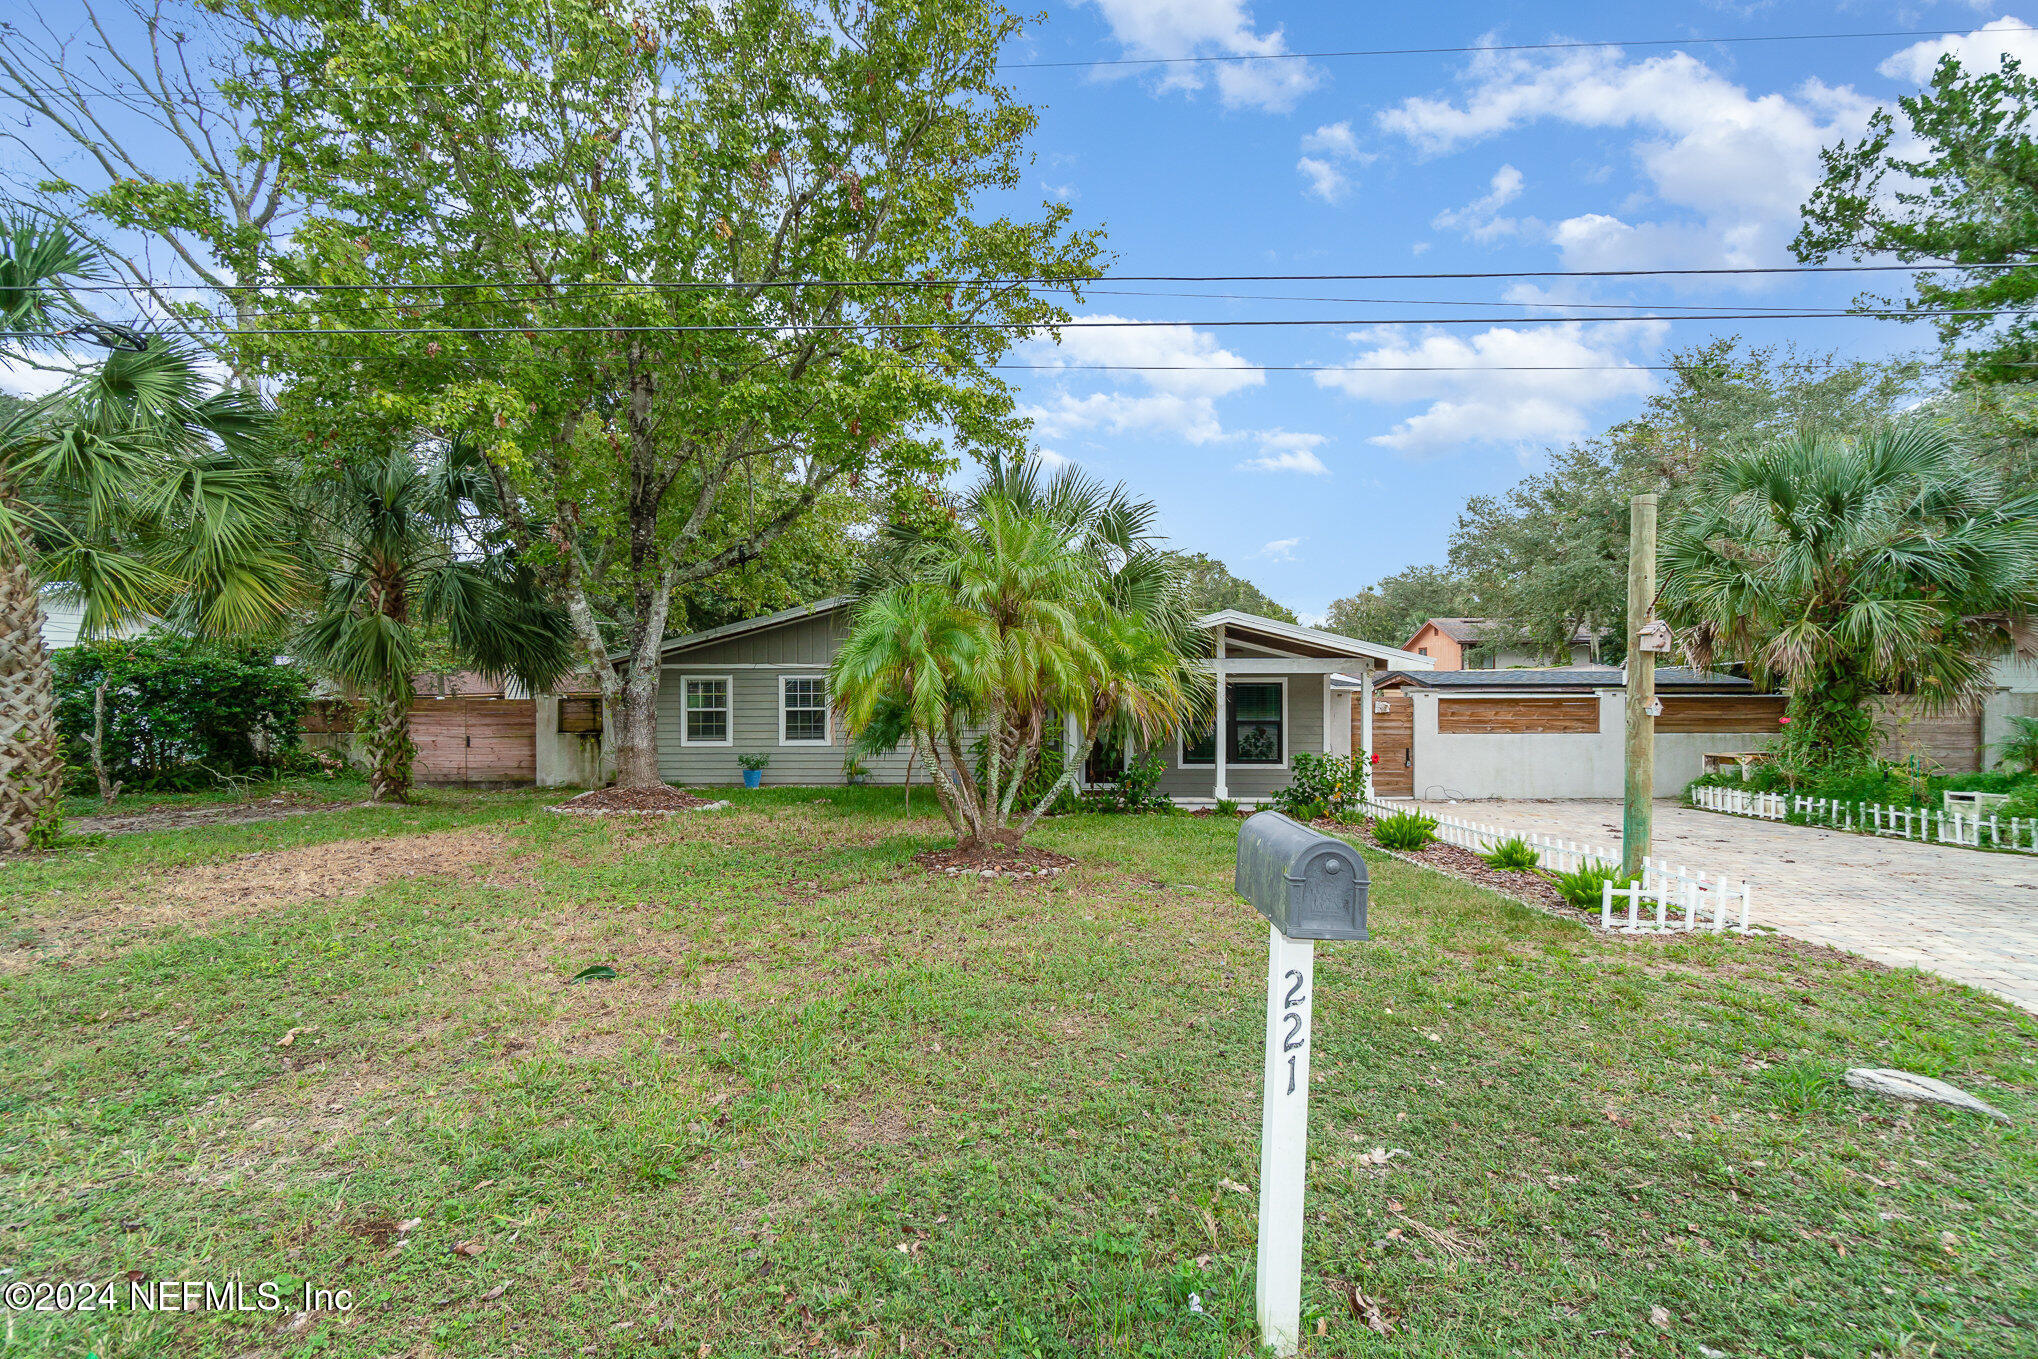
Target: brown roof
(1462,630)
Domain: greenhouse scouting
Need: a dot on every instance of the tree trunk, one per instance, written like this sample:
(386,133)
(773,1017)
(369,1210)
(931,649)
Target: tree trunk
(637,713)
(109,787)
(31,759)
(390,750)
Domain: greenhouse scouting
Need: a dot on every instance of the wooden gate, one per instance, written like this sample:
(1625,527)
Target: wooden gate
(475,740)
(1393,742)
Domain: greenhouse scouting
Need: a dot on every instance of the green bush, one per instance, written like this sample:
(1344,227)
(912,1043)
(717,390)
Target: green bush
(2021,750)
(1138,788)
(1515,853)
(1584,887)
(1404,830)
(1334,783)
(180,713)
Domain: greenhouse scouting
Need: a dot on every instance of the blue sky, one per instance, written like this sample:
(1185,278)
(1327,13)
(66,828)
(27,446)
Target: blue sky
(1315,484)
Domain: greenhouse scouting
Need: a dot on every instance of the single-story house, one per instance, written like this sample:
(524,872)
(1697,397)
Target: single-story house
(1555,733)
(759,686)
(1479,644)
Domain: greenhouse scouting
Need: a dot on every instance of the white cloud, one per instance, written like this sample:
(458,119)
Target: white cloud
(20,380)
(1183,372)
(1050,459)
(1480,219)
(1734,164)
(1326,153)
(1188,28)
(1332,139)
(1280,550)
(1326,181)
(1287,451)
(1981,50)
(1472,397)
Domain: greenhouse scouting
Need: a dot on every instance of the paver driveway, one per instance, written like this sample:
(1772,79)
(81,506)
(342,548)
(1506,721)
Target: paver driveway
(1958,912)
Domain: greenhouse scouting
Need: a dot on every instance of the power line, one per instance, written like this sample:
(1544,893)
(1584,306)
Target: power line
(1486,47)
(823,328)
(723,285)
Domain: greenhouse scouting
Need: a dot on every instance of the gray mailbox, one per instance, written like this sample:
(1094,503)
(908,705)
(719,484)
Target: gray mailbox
(1310,885)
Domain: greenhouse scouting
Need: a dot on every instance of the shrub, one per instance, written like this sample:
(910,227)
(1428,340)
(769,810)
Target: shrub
(1585,887)
(1404,830)
(752,762)
(1138,788)
(1515,853)
(1228,806)
(1336,783)
(180,713)
(2021,750)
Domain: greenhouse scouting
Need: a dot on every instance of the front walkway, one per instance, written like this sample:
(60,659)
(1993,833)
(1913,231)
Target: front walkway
(1962,913)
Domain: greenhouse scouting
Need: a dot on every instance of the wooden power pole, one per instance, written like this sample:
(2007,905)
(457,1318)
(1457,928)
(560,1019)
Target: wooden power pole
(1641,685)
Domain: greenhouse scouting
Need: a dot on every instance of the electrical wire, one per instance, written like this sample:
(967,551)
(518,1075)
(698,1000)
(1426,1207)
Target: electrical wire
(706,285)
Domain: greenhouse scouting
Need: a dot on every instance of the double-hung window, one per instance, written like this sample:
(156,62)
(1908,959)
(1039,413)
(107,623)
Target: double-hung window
(802,710)
(1254,713)
(707,710)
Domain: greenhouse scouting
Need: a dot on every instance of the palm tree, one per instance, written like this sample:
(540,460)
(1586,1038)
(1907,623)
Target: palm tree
(415,551)
(137,488)
(1843,569)
(1022,609)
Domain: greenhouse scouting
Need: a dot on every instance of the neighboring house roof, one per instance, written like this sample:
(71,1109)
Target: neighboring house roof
(63,621)
(759,623)
(1334,642)
(1572,677)
(1473,630)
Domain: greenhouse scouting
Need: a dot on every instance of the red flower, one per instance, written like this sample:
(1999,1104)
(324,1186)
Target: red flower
(1782,721)
(1374,758)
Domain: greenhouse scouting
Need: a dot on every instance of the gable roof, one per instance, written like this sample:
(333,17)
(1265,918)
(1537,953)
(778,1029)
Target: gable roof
(1464,630)
(1334,642)
(1573,677)
(1275,633)
(758,624)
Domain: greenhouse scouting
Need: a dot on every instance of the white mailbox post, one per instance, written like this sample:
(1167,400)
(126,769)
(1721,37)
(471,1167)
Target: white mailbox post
(1309,887)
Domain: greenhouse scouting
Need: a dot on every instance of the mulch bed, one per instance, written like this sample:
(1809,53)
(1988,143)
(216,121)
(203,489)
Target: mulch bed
(663,798)
(993,861)
(1526,886)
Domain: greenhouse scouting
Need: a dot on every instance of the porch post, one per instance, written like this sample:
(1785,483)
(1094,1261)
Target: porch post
(1366,719)
(1071,734)
(1217,665)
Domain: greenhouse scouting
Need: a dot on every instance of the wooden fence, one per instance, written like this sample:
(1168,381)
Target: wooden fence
(1663,891)
(1976,830)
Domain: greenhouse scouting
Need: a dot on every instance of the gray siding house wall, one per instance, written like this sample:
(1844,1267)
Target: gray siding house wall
(753,660)
(1302,729)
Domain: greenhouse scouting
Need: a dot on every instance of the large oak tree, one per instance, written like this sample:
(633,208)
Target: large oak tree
(680,270)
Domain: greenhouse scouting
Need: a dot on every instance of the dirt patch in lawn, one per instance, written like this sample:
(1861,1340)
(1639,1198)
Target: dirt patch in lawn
(201,894)
(219,814)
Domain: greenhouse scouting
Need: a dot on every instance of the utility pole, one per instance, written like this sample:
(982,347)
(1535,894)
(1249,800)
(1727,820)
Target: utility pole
(1641,685)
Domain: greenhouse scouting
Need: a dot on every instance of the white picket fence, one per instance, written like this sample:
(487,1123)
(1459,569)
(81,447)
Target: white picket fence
(1974,830)
(1668,897)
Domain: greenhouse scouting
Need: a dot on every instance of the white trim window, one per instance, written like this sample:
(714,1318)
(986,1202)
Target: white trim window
(1256,729)
(708,718)
(803,718)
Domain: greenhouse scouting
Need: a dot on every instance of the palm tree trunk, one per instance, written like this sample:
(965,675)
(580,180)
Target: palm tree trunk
(31,758)
(1067,780)
(390,750)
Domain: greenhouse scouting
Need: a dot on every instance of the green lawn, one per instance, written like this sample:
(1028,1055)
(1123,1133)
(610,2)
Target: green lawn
(835,1106)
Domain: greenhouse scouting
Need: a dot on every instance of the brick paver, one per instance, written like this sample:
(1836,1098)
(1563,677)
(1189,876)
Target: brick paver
(1964,914)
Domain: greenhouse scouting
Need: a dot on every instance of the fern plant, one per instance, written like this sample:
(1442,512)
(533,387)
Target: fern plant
(1405,831)
(2022,747)
(1514,853)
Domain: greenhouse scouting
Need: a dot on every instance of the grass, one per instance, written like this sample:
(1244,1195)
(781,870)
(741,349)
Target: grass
(835,1106)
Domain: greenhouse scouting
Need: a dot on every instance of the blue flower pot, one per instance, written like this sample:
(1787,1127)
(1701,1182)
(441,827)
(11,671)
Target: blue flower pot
(753,778)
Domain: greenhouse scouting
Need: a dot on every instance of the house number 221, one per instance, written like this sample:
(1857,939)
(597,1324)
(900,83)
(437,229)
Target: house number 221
(1296,1035)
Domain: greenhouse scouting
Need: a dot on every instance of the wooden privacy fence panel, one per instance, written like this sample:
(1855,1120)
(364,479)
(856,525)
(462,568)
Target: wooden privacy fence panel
(1950,739)
(475,740)
(1720,713)
(1393,742)
(1558,713)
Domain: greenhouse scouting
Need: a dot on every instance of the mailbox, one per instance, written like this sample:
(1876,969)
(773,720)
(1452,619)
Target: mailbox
(1311,886)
